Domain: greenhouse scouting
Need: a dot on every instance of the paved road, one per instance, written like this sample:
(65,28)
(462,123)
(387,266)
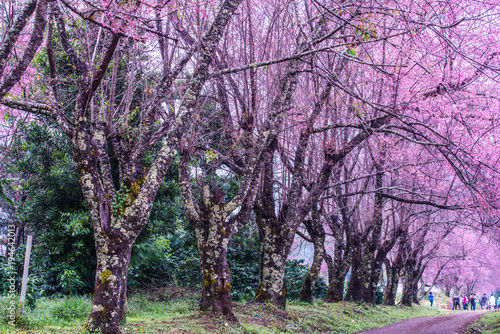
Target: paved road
(445,324)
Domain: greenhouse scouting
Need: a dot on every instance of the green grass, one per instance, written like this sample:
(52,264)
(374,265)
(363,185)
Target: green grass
(149,314)
(488,324)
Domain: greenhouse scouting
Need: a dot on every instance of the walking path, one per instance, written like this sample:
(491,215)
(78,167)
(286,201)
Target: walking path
(448,324)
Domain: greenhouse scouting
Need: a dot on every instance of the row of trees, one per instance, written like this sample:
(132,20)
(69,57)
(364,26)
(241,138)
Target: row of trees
(369,124)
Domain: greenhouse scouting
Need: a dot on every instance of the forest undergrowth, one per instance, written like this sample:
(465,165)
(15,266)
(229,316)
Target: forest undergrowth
(167,311)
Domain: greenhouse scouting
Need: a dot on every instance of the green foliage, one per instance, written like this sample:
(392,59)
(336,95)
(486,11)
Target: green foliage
(65,311)
(41,157)
(54,209)
(243,258)
(165,251)
(71,308)
(33,290)
(11,307)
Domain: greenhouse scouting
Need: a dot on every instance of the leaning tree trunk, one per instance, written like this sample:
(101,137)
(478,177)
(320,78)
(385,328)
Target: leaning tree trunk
(317,234)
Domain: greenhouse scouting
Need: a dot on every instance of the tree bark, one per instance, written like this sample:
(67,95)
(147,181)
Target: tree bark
(35,41)
(109,302)
(216,279)
(317,234)
(342,255)
(392,285)
(272,285)
(355,285)
(13,34)
(410,286)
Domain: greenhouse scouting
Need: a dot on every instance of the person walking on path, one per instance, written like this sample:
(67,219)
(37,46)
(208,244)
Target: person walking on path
(492,302)
(456,303)
(484,300)
(464,300)
(431,298)
(473,302)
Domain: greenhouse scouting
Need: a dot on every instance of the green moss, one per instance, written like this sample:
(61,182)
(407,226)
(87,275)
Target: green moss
(105,275)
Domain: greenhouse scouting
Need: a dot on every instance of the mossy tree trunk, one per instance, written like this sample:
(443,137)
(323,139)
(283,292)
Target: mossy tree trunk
(410,284)
(317,234)
(209,214)
(272,285)
(273,240)
(212,238)
(119,214)
(109,302)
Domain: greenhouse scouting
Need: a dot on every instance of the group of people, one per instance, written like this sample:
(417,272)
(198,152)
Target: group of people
(490,303)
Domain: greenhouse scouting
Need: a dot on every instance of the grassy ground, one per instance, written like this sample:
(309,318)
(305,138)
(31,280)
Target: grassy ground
(488,324)
(160,313)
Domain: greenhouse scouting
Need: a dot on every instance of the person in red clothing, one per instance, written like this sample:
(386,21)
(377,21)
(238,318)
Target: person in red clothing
(464,300)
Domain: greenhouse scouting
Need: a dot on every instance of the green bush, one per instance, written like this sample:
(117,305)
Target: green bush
(295,273)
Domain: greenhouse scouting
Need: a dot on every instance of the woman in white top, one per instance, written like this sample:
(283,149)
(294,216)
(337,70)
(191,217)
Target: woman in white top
(492,302)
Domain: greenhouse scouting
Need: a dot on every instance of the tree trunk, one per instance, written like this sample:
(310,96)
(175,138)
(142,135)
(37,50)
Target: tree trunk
(394,269)
(375,251)
(410,287)
(330,267)
(392,285)
(216,279)
(110,302)
(272,286)
(273,234)
(370,285)
(355,285)
(317,233)
(335,292)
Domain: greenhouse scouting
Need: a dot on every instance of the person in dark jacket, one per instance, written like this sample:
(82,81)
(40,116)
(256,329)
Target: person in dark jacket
(483,301)
(456,303)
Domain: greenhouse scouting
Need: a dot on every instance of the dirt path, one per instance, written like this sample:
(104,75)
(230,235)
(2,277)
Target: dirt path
(448,324)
